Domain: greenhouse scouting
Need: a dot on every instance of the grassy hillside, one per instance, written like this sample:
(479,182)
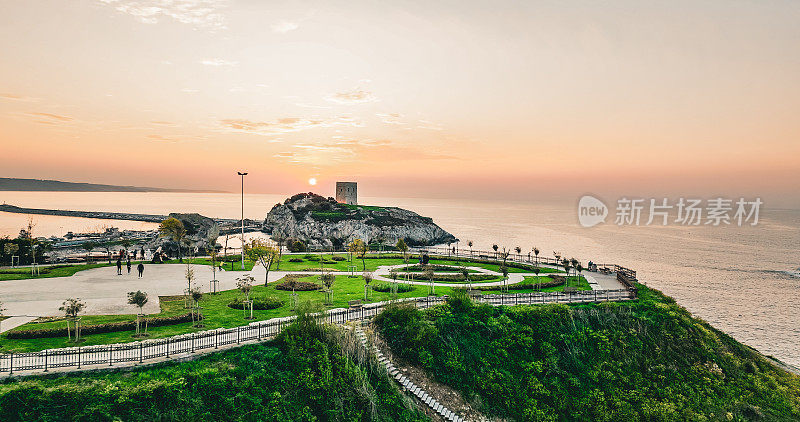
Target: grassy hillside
(644,360)
(309,373)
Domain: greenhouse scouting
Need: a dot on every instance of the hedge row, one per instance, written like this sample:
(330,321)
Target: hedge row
(300,286)
(557,280)
(386,287)
(452,277)
(100,328)
(259,303)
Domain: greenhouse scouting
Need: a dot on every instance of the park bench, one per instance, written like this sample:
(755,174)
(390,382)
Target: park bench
(354,304)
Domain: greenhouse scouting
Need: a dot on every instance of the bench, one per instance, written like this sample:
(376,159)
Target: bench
(354,304)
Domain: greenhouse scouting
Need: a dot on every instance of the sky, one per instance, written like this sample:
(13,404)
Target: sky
(520,100)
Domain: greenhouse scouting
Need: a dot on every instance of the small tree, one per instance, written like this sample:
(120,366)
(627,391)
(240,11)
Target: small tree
(536,255)
(245,285)
(10,249)
(189,275)
(359,248)
(262,251)
(494,246)
(138,298)
(465,274)
(212,253)
(367,280)
(518,250)
(536,271)
(71,308)
(173,229)
(402,247)
(89,247)
(393,275)
(565,264)
(327,281)
(429,275)
(196,295)
(504,270)
(279,241)
(2,309)
(469,243)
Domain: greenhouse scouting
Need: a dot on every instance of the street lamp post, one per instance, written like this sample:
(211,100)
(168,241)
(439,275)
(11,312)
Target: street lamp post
(243,175)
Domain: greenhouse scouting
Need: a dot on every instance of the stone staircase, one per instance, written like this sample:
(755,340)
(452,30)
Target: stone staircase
(406,383)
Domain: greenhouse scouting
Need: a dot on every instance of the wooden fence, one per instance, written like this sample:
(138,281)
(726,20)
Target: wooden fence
(181,345)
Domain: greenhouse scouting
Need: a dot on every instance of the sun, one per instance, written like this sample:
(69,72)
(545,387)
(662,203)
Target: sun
(312,181)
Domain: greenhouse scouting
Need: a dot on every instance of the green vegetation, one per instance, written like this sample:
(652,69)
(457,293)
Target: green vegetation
(642,360)
(215,309)
(61,270)
(309,373)
(364,207)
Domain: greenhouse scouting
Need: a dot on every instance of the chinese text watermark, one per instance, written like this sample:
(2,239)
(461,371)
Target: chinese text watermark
(684,211)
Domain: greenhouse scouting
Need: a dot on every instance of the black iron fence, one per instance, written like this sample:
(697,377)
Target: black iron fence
(181,345)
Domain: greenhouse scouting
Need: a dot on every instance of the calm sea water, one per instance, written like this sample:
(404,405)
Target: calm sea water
(743,280)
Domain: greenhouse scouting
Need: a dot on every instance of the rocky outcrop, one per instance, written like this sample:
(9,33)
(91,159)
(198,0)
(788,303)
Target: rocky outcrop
(320,221)
(201,232)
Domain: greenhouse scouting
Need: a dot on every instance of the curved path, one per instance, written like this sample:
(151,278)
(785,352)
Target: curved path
(105,292)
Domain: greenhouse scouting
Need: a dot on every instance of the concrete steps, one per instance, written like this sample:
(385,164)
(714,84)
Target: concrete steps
(406,383)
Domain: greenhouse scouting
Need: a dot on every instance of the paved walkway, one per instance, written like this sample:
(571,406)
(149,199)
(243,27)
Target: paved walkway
(105,292)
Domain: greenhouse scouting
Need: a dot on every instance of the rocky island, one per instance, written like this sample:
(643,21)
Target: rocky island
(320,221)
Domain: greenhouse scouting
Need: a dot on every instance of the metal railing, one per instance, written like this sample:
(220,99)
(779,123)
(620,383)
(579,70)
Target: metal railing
(172,347)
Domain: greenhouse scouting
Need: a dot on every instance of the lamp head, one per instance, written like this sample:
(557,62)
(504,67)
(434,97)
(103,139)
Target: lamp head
(241,174)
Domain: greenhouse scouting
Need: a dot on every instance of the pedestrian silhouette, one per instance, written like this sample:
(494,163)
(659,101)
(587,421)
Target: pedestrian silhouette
(128,264)
(119,266)
(140,267)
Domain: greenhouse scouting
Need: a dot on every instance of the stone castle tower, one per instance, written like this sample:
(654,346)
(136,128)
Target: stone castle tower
(347,192)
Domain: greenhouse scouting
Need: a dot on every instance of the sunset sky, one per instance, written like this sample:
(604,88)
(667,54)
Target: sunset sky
(433,99)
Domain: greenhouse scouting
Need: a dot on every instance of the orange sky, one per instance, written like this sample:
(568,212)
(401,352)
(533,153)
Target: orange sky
(411,99)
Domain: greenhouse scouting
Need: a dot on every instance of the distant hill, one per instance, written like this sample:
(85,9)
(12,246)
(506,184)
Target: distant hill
(14,184)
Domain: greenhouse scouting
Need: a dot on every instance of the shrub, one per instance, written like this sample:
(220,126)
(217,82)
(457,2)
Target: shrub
(386,287)
(296,260)
(339,258)
(259,303)
(456,278)
(297,246)
(100,328)
(291,283)
(555,282)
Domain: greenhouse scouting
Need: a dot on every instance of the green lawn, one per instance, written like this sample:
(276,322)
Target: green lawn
(215,310)
(59,270)
(217,313)
(372,262)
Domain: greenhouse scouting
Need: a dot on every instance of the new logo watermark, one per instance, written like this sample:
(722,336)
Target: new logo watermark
(591,211)
(685,211)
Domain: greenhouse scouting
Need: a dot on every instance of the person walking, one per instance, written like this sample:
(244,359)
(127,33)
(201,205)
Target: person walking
(128,264)
(119,266)
(140,267)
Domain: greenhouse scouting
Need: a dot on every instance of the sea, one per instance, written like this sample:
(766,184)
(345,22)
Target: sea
(743,280)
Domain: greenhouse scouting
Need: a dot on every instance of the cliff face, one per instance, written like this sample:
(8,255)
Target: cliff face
(324,222)
(201,233)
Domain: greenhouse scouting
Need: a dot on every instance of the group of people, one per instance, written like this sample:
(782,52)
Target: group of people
(139,267)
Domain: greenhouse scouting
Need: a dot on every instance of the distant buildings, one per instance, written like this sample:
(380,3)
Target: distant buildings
(347,193)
